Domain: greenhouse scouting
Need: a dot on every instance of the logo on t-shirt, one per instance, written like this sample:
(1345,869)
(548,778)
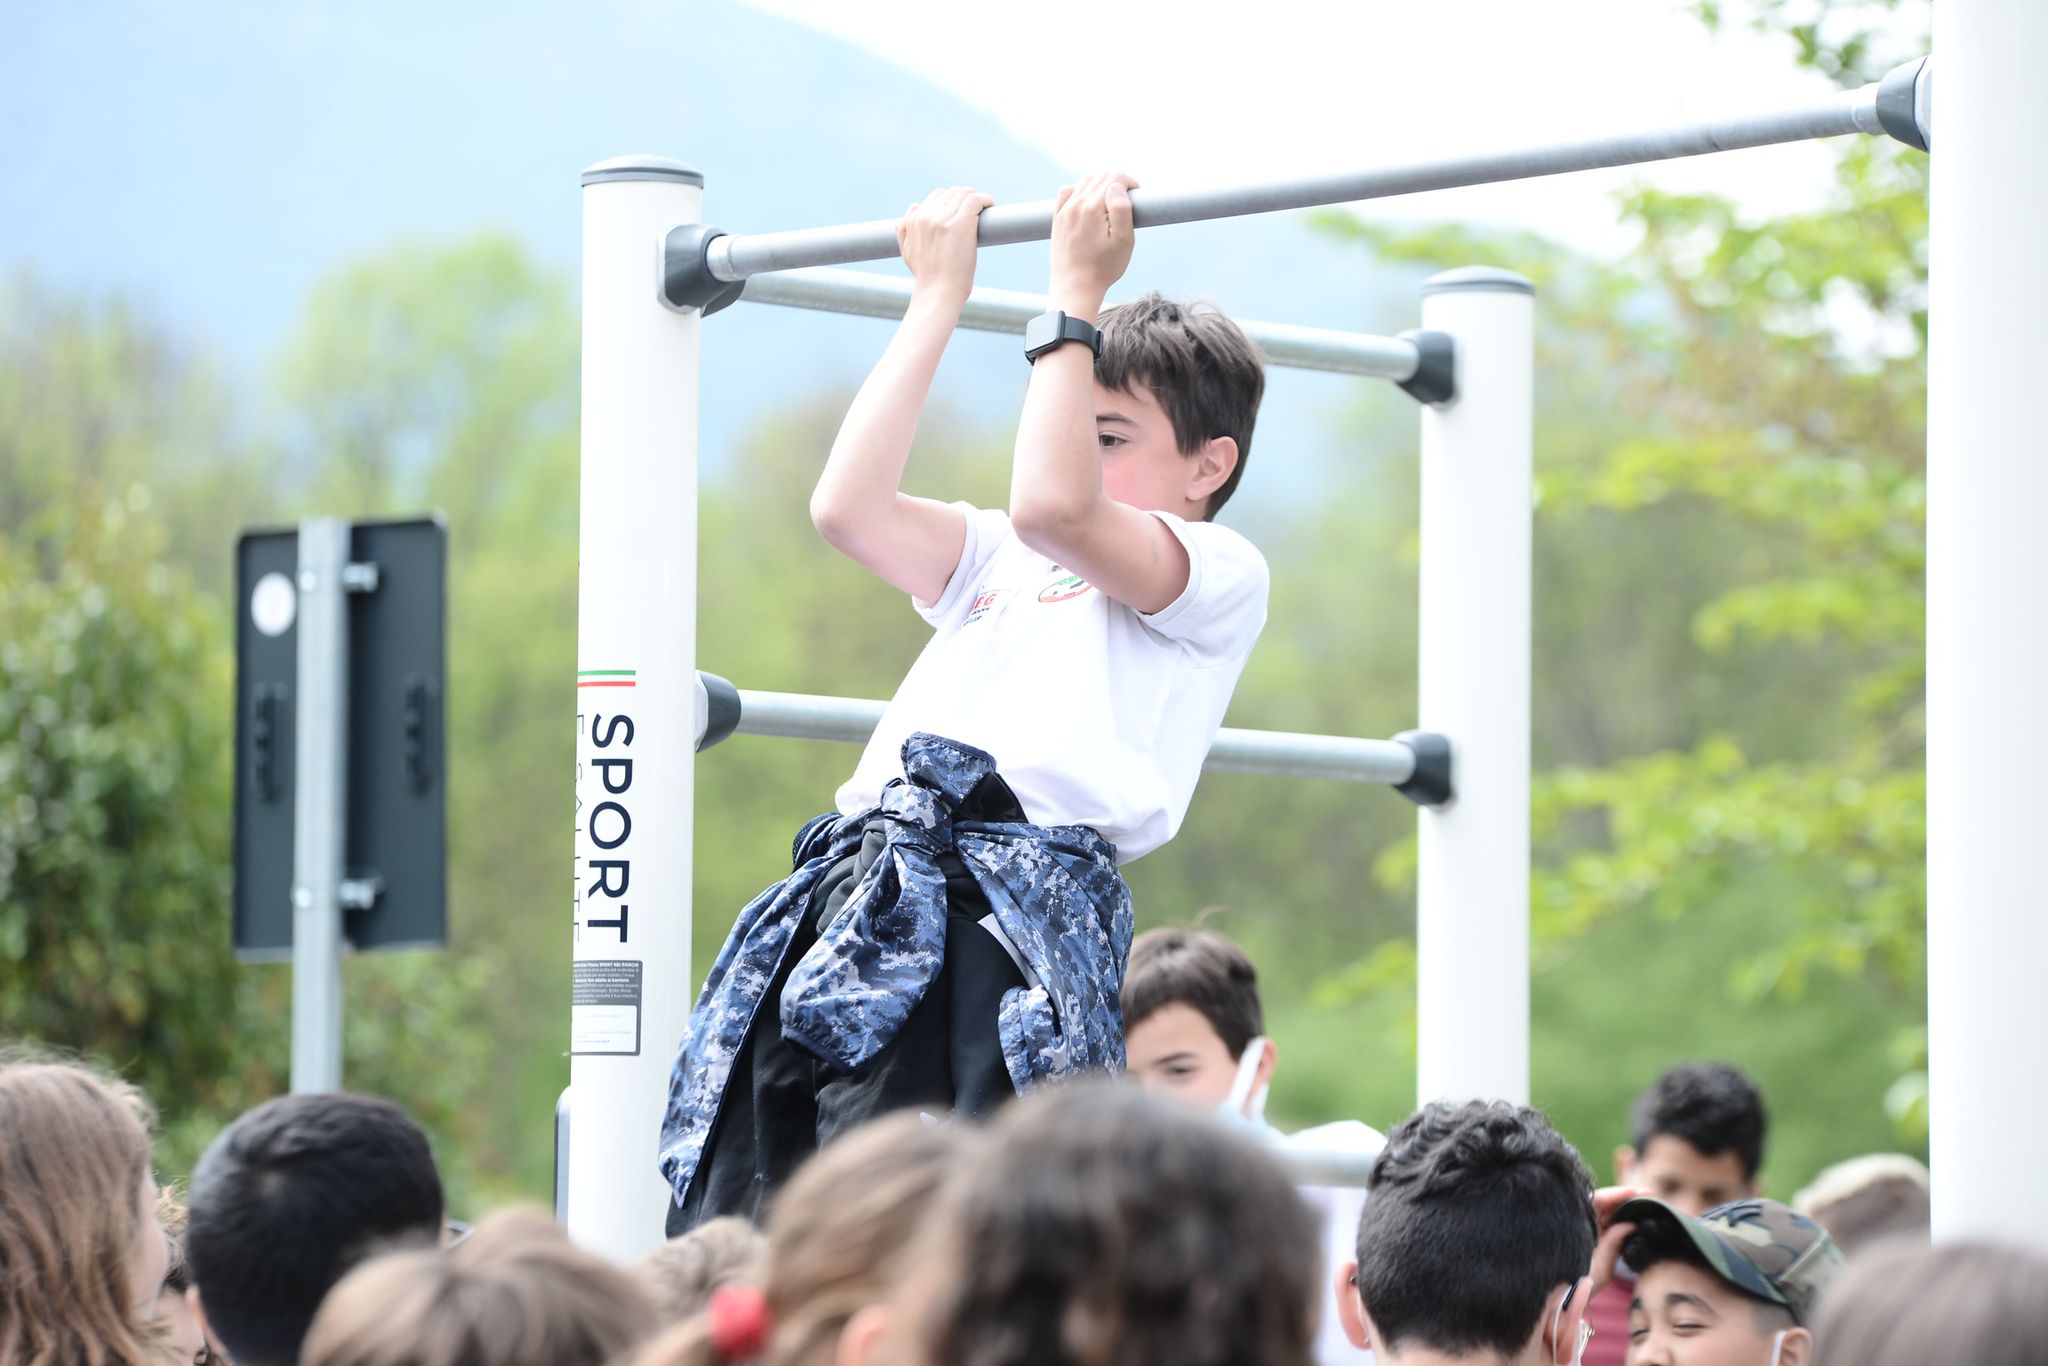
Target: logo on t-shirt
(1065,588)
(984,603)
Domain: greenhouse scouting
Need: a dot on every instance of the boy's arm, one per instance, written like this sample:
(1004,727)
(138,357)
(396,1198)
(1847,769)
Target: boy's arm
(1057,505)
(911,543)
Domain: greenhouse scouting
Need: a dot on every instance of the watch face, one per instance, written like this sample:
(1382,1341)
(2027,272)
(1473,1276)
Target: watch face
(1042,333)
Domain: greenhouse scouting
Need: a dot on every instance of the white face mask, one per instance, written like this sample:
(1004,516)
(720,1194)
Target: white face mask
(1777,1346)
(1247,1098)
(1585,1329)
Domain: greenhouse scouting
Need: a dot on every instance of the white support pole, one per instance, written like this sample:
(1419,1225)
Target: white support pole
(1987,649)
(1472,880)
(636,700)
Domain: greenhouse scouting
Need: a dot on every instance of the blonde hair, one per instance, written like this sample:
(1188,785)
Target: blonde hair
(74,1149)
(516,1292)
(1869,1200)
(681,1275)
(838,1236)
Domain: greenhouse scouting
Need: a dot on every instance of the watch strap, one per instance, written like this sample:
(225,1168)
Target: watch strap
(1049,331)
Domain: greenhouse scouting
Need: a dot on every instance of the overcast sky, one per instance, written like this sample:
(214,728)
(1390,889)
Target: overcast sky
(1184,93)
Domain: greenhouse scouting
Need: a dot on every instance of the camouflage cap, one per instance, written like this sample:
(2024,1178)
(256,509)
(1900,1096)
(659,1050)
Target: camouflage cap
(1760,1247)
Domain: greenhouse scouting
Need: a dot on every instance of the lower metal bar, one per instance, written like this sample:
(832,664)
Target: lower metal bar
(1003,310)
(803,716)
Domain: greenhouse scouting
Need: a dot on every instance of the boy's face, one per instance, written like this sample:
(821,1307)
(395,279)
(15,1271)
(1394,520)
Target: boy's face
(1176,1052)
(1684,1315)
(1142,466)
(1684,1177)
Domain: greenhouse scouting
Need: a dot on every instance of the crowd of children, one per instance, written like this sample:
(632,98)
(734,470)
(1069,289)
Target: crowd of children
(1088,1224)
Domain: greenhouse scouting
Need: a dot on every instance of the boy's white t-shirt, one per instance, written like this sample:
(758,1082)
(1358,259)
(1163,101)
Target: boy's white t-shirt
(1096,713)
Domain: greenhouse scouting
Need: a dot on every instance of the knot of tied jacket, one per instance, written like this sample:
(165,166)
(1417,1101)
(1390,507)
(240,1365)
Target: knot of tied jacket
(850,994)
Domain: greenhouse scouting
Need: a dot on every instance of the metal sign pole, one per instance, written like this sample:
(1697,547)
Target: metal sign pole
(319,830)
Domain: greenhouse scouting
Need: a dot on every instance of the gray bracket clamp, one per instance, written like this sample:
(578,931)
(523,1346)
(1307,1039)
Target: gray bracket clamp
(1905,103)
(1435,379)
(686,278)
(1430,784)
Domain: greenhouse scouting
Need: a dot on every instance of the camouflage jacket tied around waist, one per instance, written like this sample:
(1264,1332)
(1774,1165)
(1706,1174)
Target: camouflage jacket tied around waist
(1054,890)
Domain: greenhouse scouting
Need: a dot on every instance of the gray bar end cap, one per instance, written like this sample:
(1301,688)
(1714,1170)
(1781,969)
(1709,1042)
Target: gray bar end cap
(1430,784)
(686,278)
(1435,380)
(1905,103)
(718,709)
(643,167)
(1477,279)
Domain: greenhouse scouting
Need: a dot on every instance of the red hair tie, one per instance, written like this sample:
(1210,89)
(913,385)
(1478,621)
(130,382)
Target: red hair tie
(740,1322)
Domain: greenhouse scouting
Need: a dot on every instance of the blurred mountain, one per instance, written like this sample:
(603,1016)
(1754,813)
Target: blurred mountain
(213,160)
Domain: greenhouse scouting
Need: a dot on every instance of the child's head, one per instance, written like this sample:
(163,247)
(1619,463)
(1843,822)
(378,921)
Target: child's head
(681,1275)
(1981,1303)
(1177,390)
(514,1292)
(81,1255)
(1475,1242)
(1191,1010)
(1738,1286)
(837,1238)
(1107,1227)
(291,1196)
(1868,1200)
(1698,1138)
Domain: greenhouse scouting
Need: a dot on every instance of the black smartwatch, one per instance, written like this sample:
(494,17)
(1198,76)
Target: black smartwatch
(1050,330)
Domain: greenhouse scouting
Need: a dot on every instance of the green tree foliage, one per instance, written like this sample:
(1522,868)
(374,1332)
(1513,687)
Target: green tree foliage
(1768,385)
(115,758)
(95,396)
(114,809)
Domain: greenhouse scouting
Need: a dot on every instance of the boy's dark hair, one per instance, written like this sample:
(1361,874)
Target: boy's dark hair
(1106,1225)
(1474,1214)
(1204,371)
(291,1196)
(1710,1105)
(1198,969)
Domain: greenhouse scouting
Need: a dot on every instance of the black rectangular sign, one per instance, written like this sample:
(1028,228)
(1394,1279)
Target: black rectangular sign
(397,772)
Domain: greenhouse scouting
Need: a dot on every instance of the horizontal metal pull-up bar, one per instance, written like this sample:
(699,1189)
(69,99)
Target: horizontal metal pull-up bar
(1004,310)
(1416,764)
(1899,105)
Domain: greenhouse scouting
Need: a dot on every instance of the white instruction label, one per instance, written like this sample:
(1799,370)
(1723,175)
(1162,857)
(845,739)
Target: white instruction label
(604,1012)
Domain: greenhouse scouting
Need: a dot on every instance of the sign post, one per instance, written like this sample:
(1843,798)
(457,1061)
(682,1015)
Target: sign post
(340,792)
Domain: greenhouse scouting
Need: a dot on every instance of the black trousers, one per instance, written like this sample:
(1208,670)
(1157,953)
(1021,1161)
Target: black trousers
(782,1104)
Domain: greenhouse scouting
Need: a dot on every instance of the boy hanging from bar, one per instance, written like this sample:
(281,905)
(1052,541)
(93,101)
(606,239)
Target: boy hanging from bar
(956,932)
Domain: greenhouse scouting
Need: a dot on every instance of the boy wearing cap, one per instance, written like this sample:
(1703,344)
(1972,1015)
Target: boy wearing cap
(1736,1286)
(1698,1142)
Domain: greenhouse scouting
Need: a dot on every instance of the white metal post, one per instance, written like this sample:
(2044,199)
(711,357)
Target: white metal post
(636,688)
(1987,649)
(320,804)
(1472,880)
